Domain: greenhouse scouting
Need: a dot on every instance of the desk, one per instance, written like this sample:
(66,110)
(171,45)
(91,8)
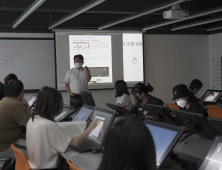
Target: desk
(85,161)
(195,151)
(89,161)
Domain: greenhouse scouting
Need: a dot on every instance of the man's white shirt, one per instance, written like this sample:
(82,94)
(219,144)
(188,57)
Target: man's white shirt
(76,80)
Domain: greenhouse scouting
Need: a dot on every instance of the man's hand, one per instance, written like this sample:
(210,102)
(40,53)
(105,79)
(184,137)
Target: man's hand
(24,102)
(94,124)
(85,68)
(72,94)
(150,117)
(211,94)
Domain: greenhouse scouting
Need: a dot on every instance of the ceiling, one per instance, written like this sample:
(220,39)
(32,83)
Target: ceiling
(110,10)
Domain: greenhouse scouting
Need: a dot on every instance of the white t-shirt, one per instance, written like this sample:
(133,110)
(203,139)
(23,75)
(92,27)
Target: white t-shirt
(76,80)
(125,100)
(44,141)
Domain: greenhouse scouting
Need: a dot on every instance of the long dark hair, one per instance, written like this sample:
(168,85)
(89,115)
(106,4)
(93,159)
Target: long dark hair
(49,103)
(128,146)
(121,88)
(141,88)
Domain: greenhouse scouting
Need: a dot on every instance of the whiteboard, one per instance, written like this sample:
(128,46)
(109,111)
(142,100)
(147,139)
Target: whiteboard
(33,61)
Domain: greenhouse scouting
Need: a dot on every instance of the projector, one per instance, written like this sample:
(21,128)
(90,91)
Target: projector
(175,14)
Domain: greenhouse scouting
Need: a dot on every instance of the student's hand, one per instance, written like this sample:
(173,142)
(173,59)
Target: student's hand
(72,94)
(123,106)
(118,104)
(211,94)
(94,124)
(150,117)
(24,102)
(184,127)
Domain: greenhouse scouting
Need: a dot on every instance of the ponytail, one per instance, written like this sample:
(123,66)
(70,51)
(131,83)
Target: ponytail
(149,88)
(141,88)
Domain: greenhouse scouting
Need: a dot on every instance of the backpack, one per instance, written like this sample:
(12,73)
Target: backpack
(9,164)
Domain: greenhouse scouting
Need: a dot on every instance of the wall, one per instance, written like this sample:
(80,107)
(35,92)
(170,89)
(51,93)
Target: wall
(169,60)
(101,97)
(215,51)
(175,59)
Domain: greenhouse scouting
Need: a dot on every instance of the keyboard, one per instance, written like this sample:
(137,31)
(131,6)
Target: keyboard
(99,71)
(82,148)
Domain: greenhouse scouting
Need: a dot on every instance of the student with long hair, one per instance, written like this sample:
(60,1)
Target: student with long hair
(128,146)
(141,95)
(44,138)
(122,95)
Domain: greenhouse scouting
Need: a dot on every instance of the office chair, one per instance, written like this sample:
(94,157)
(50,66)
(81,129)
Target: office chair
(21,160)
(214,111)
(71,166)
(172,106)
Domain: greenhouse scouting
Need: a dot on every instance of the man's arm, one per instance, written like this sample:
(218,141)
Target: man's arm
(201,103)
(79,139)
(68,89)
(25,103)
(87,74)
(206,96)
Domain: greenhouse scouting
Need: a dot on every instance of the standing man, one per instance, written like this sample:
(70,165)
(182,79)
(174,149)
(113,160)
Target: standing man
(77,79)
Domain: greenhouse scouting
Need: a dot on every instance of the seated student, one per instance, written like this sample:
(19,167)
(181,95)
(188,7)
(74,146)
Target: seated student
(14,114)
(122,95)
(140,92)
(194,88)
(185,102)
(128,146)
(44,138)
(3,83)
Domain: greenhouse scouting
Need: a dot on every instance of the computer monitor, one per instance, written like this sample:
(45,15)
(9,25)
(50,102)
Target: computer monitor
(97,136)
(83,114)
(213,99)
(32,100)
(213,160)
(197,123)
(216,123)
(87,98)
(66,112)
(150,109)
(186,118)
(118,109)
(168,117)
(165,138)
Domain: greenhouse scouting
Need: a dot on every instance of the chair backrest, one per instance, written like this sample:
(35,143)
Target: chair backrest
(172,106)
(21,160)
(71,166)
(214,111)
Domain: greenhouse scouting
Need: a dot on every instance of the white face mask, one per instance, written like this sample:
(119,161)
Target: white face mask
(181,103)
(78,65)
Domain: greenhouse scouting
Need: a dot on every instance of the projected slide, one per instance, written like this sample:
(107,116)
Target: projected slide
(133,57)
(97,53)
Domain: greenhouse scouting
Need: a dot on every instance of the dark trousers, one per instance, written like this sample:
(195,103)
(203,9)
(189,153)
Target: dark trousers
(78,98)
